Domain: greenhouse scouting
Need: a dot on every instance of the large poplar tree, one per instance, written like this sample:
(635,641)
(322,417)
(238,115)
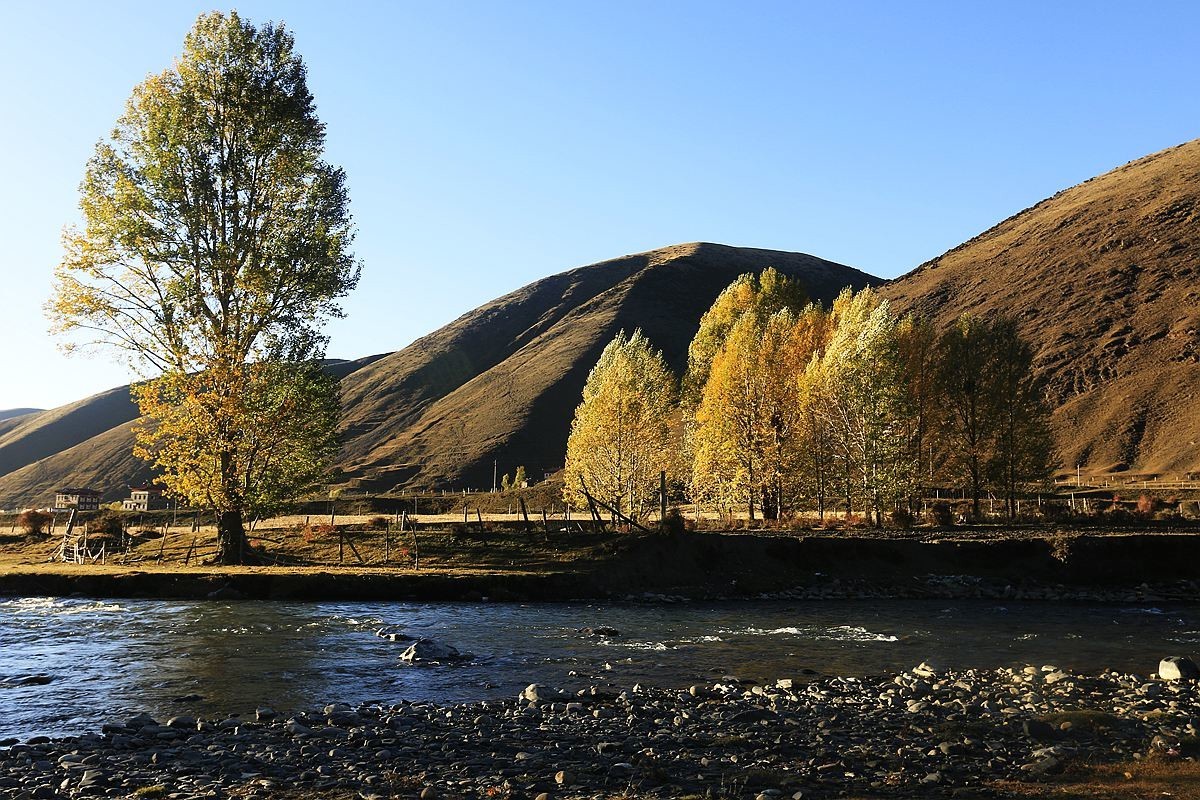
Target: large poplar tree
(216,242)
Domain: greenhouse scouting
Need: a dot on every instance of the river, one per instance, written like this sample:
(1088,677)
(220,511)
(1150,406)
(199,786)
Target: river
(106,659)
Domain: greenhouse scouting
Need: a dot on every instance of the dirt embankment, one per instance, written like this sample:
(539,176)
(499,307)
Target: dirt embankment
(693,565)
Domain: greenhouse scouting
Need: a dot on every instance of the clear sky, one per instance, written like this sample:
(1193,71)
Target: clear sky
(488,144)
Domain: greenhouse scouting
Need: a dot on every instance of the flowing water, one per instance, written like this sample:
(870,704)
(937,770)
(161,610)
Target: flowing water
(100,660)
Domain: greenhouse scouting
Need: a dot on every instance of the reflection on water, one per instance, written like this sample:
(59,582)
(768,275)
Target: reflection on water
(107,659)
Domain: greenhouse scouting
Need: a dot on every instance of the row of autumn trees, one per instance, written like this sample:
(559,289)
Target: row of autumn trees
(786,407)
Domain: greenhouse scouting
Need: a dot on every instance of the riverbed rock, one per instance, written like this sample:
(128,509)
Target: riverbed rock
(599,631)
(925,670)
(536,693)
(25,680)
(972,727)
(393,634)
(429,650)
(1174,668)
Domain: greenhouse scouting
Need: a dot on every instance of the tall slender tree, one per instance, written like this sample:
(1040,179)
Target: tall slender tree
(216,239)
(620,438)
(732,422)
(917,349)
(1023,449)
(866,402)
(966,387)
(728,395)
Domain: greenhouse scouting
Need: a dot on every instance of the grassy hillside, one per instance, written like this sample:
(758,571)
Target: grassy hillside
(1104,279)
(9,413)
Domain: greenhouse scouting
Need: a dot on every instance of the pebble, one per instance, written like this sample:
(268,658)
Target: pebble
(928,732)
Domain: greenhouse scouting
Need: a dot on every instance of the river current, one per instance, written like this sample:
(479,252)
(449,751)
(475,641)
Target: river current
(96,661)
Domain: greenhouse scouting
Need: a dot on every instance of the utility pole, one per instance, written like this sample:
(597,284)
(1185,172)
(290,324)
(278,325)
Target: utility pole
(494,470)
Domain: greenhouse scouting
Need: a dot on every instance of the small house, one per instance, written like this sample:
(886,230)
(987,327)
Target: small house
(80,499)
(144,498)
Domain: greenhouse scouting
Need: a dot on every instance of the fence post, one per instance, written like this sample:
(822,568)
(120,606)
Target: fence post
(662,498)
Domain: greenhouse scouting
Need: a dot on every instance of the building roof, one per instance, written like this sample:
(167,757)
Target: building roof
(78,492)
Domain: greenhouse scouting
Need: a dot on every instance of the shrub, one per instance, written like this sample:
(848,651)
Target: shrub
(377,523)
(941,515)
(901,519)
(107,523)
(1055,512)
(1146,505)
(673,522)
(34,522)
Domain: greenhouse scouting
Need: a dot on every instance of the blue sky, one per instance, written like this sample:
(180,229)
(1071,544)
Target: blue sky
(491,144)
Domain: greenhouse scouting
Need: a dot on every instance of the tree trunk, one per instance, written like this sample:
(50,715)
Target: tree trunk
(976,492)
(750,503)
(231,538)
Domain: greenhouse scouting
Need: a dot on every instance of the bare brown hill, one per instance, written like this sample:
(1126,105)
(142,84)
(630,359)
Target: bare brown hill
(500,384)
(1104,279)
(32,437)
(9,413)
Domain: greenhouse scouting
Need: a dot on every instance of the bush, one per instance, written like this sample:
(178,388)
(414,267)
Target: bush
(901,519)
(674,522)
(107,523)
(377,523)
(1146,505)
(941,515)
(1055,512)
(34,522)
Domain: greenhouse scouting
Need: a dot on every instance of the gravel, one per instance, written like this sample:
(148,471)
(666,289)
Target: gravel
(924,732)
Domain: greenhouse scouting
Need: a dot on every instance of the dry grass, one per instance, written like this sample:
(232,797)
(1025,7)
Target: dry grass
(438,551)
(1149,779)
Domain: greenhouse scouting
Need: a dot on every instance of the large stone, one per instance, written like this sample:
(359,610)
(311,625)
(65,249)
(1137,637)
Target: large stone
(429,650)
(599,630)
(1174,668)
(1037,729)
(535,693)
(752,715)
(926,670)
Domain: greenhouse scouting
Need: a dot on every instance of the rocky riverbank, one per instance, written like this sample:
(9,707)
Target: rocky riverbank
(925,732)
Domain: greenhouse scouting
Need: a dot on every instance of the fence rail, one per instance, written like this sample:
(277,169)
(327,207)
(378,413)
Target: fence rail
(1113,483)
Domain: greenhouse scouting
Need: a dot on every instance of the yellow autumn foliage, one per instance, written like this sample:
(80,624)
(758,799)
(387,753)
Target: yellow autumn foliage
(620,438)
